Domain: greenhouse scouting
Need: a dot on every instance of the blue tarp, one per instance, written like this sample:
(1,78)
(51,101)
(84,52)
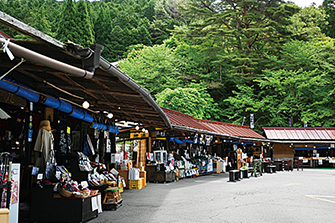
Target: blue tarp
(302,148)
(325,147)
(173,139)
(188,141)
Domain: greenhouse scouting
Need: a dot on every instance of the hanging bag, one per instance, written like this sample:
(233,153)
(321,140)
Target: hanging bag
(50,168)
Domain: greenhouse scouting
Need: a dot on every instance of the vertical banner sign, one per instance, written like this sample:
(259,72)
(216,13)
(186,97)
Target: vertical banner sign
(289,122)
(305,124)
(252,121)
(15,189)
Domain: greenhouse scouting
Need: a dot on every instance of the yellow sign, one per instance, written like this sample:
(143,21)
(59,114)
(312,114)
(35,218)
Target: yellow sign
(138,134)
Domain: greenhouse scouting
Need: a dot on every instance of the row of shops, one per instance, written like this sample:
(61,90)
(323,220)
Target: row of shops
(69,162)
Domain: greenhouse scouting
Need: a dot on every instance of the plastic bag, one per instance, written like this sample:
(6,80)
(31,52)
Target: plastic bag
(84,162)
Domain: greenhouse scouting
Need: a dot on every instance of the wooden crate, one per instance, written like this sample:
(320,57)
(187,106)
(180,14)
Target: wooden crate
(135,184)
(143,174)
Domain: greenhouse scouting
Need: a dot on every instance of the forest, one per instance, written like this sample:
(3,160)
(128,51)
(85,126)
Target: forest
(211,59)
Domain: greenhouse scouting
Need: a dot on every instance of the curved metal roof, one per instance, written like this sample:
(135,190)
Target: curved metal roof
(108,90)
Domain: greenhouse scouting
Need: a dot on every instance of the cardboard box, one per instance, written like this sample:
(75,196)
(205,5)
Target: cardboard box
(4,215)
(144,183)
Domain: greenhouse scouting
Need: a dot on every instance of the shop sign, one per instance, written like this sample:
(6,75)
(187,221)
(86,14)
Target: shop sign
(252,121)
(160,134)
(138,134)
(13,99)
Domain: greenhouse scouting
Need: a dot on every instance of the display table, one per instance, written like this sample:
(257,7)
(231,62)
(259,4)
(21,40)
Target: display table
(46,208)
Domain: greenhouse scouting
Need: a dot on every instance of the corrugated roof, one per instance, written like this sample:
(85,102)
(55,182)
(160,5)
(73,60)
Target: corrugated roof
(231,129)
(178,118)
(220,128)
(303,133)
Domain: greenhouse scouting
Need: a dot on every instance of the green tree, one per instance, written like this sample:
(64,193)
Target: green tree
(300,87)
(306,23)
(197,103)
(39,20)
(102,28)
(67,25)
(84,24)
(240,33)
(155,68)
(329,28)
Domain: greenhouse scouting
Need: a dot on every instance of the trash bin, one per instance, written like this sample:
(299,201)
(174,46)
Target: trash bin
(4,215)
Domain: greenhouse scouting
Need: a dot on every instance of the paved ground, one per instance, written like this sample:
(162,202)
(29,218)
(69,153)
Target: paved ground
(304,196)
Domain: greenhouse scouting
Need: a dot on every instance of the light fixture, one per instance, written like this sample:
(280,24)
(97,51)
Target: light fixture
(110,115)
(143,130)
(146,131)
(137,128)
(86,104)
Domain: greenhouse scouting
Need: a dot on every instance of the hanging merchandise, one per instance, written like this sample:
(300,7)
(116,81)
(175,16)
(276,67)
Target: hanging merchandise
(88,149)
(44,143)
(50,169)
(84,162)
(62,142)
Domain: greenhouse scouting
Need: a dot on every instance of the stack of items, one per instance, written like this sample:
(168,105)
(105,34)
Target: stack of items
(135,182)
(70,188)
(126,165)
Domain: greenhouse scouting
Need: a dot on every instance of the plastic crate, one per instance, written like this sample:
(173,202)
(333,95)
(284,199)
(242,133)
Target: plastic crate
(135,184)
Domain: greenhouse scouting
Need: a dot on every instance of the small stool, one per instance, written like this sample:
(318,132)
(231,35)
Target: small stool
(234,175)
(112,193)
(245,173)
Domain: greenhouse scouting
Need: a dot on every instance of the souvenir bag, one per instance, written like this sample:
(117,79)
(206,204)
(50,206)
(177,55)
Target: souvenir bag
(50,168)
(84,162)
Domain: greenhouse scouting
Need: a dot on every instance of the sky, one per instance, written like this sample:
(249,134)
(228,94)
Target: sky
(306,3)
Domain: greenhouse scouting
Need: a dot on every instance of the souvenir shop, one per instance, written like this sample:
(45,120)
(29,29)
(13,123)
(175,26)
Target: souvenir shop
(60,105)
(61,157)
(181,155)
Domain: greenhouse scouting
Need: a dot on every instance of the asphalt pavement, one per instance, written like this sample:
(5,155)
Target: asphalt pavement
(298,196)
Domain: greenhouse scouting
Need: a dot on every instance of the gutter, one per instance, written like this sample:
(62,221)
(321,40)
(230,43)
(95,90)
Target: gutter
(32,56)
(254,139)
(107,66)
(185,128)
(302,142)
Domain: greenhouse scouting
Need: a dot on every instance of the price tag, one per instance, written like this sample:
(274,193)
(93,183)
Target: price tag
(84,184)
(58,174)
(40,176)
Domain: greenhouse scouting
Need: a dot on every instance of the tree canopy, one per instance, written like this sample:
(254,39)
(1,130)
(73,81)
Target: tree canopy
(218,60)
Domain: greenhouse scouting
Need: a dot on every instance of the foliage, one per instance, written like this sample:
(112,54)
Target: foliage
(219,60)
(191,101)
(240,33)
(85,24)
(155,68)
(306,23)
(299,88)
(329,28)
(67,26)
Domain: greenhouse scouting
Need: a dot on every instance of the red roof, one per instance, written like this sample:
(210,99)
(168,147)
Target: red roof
(303,133)
(180,119)
(231,129)
(4,35)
